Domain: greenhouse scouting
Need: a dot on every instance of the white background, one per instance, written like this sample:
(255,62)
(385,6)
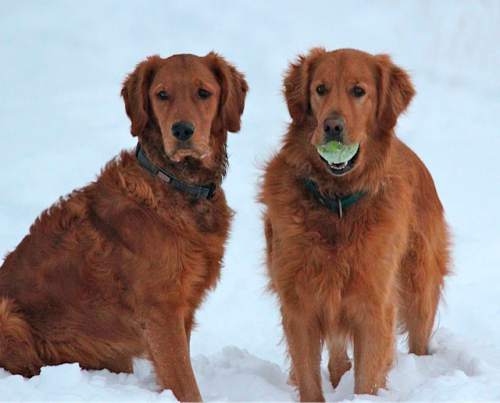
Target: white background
(61,118)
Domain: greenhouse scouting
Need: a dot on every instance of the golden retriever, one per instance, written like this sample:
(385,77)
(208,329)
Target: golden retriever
(118,268)
(351,246)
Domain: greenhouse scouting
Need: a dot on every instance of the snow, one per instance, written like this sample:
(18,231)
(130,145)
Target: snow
(61,119)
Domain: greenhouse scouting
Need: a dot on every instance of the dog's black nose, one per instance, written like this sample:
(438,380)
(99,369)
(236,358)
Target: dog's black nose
(334,128)
(182,130)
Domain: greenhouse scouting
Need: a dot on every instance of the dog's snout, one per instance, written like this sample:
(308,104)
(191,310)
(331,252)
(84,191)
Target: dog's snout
(182,131)
(334,128)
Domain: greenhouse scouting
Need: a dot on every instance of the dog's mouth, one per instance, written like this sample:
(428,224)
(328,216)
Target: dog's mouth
(343,167)
(182,153)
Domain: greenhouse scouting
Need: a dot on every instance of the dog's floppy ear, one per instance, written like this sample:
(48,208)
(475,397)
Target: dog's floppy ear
(135,94)
(234,89)
(296,84)
(395,92)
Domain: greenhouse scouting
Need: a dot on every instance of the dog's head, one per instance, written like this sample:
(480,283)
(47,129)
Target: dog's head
(347,96)
(187,102)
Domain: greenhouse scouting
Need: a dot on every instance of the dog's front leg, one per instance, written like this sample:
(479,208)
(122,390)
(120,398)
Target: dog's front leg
(373,348)
(304,346)
(168,345)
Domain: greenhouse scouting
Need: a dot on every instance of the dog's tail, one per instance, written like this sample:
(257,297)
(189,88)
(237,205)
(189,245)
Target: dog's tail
(18,353)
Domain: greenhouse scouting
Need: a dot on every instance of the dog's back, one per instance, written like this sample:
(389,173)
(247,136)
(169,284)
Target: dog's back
(63,292)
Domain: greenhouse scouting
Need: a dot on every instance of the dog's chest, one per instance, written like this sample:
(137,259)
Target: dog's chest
(329,247)
(333,231)
(199,219)
(196,228)
(188,239)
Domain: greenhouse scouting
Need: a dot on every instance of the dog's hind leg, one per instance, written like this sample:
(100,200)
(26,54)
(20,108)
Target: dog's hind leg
(117,365)
(420,319)
(18,354)
(422,280)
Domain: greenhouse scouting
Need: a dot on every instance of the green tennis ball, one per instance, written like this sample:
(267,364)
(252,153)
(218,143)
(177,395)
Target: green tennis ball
(337,153)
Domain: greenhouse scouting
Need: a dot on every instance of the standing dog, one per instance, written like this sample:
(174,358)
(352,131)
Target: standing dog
(351,245)
(117,269)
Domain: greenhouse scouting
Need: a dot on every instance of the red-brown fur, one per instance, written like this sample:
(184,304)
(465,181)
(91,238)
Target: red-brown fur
(342,280)
(118,268)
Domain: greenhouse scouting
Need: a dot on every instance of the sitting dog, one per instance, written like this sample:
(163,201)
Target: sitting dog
(118,268)
(353,242)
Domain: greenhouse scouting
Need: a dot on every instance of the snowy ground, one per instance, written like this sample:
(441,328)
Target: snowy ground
(61,65)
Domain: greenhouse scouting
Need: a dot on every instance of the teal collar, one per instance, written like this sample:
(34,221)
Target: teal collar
(337,203)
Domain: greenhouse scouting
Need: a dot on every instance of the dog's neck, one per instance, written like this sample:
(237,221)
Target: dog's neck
(189,169)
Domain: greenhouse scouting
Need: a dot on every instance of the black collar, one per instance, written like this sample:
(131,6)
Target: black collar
(198,192)
(336,203)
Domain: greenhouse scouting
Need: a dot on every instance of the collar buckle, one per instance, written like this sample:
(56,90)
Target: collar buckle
(164,177)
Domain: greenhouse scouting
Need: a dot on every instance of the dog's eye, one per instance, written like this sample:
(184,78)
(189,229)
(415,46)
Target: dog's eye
(204,94)
(163,95)
(321,89)
(358,91)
